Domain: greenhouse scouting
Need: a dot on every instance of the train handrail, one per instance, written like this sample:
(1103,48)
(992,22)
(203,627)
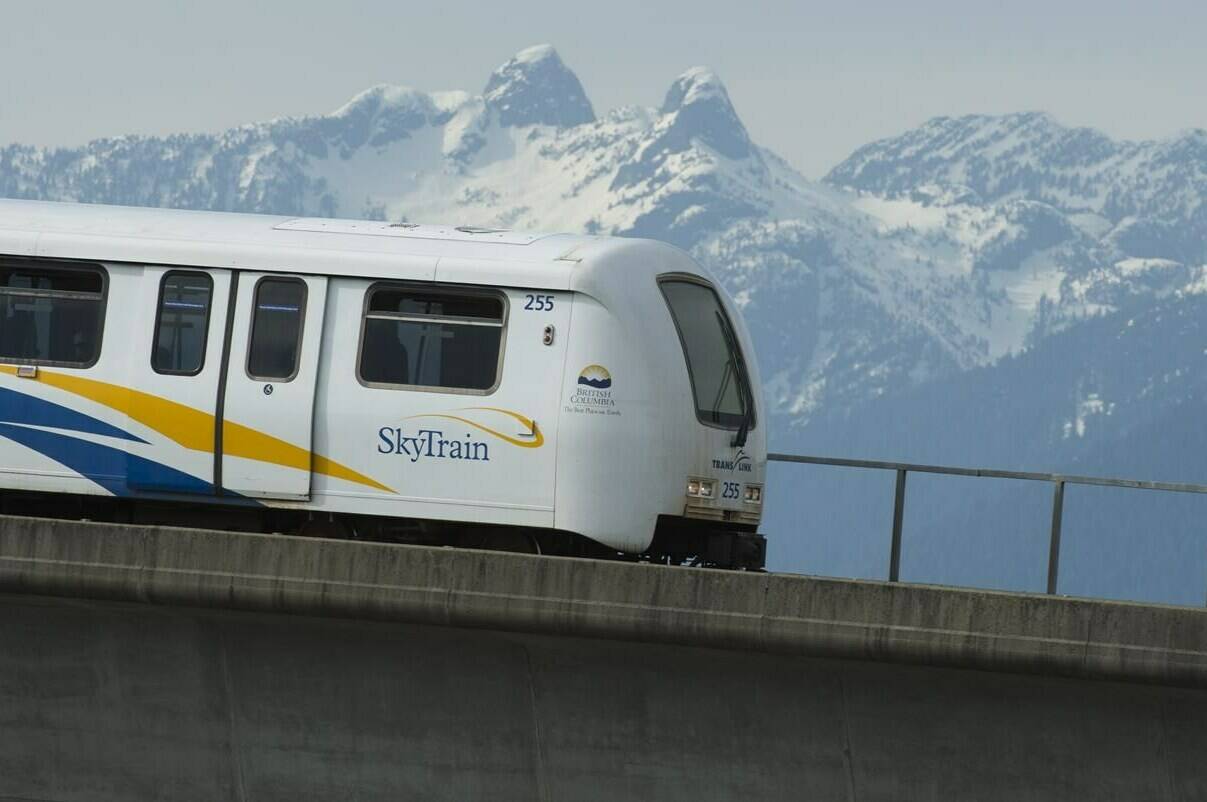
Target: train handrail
(1058,481)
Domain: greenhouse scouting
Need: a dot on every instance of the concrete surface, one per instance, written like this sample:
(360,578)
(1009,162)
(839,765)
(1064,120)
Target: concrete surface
(118,701)
(693,607)
(140,664)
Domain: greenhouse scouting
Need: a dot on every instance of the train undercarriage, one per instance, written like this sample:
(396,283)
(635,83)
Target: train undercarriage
(677,541)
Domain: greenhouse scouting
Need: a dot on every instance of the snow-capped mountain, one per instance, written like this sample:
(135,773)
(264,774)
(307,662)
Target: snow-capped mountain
(843,307)
(1100,220)
(940,250)
(1149,198)
(915,273)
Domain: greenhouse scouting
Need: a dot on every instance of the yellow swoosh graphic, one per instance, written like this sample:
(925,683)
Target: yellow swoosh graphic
(194,429)
(241,441)
(536,442)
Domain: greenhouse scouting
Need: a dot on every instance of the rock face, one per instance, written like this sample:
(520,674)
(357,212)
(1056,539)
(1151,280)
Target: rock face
(699,108)
(536,88)
(688,170)
(382,115)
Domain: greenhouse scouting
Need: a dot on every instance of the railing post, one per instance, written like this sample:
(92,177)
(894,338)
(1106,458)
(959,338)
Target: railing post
(894,563)
(1058,503)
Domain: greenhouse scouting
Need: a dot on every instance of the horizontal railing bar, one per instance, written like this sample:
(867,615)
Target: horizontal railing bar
(985,473)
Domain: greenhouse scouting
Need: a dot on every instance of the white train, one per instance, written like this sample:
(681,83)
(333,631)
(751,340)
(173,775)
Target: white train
(573,394)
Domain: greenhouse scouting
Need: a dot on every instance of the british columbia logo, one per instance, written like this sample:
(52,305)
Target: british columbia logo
(595,376)
(593,392)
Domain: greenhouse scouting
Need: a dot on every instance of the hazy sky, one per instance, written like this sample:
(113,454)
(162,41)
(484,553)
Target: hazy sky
(813,81)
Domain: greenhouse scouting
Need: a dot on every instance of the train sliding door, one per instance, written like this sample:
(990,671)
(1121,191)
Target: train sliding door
(267,408)
(184,310)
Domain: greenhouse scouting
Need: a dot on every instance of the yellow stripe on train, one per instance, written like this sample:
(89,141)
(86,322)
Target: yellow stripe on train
(194,429)
(534,430)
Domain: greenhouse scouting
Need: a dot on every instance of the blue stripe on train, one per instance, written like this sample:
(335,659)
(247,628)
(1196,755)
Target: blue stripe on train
(108,467)
(18,407)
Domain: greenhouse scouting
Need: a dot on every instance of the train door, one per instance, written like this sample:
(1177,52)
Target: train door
(184,311)
(458,398)
(272,370)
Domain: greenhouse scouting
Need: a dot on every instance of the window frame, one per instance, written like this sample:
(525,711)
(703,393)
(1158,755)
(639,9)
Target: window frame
(205,337)
(64,265)
(429,289)
(689,278)
(254,318)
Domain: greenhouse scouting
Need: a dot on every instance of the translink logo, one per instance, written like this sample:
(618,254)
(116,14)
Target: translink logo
(740,463)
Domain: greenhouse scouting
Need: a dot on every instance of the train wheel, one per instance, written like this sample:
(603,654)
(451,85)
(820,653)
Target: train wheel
(515,540)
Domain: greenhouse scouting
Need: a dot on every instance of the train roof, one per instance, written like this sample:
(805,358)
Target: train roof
(360,248)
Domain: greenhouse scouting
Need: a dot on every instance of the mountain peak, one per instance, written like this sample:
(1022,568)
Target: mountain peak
(693,86)
(1025,154)
(971,127)
(384,113)
(535,53)
(535,87)
(702,111)
(383,99)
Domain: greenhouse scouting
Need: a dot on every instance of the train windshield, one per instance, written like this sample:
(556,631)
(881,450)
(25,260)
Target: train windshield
(720,383)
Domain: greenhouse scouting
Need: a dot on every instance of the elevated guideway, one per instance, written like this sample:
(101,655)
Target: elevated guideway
(148,663)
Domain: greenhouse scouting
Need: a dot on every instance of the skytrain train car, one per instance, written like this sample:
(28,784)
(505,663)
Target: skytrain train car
(457,385)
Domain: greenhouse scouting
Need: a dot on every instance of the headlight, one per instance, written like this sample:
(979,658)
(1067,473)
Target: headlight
(754,494)
(701,488)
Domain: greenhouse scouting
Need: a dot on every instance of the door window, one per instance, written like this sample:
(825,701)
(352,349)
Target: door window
(276,329)
(432,339)
(182,323)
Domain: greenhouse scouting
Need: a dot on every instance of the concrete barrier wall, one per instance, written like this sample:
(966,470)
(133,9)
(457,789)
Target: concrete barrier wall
(143,663)
(116,701)
(585,598)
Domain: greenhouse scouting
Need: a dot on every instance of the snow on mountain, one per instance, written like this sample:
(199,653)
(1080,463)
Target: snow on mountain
(1152,194)
(944,249)
(530,152)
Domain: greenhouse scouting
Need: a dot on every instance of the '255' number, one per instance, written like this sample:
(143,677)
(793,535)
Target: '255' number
(730,490)
(540,303)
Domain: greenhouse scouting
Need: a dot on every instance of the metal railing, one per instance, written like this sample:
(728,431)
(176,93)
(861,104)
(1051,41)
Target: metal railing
(1058,482)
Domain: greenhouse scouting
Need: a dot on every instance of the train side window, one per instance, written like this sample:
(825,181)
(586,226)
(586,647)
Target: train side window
(432,339)
(51,313)
(276,329)
(182,323)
